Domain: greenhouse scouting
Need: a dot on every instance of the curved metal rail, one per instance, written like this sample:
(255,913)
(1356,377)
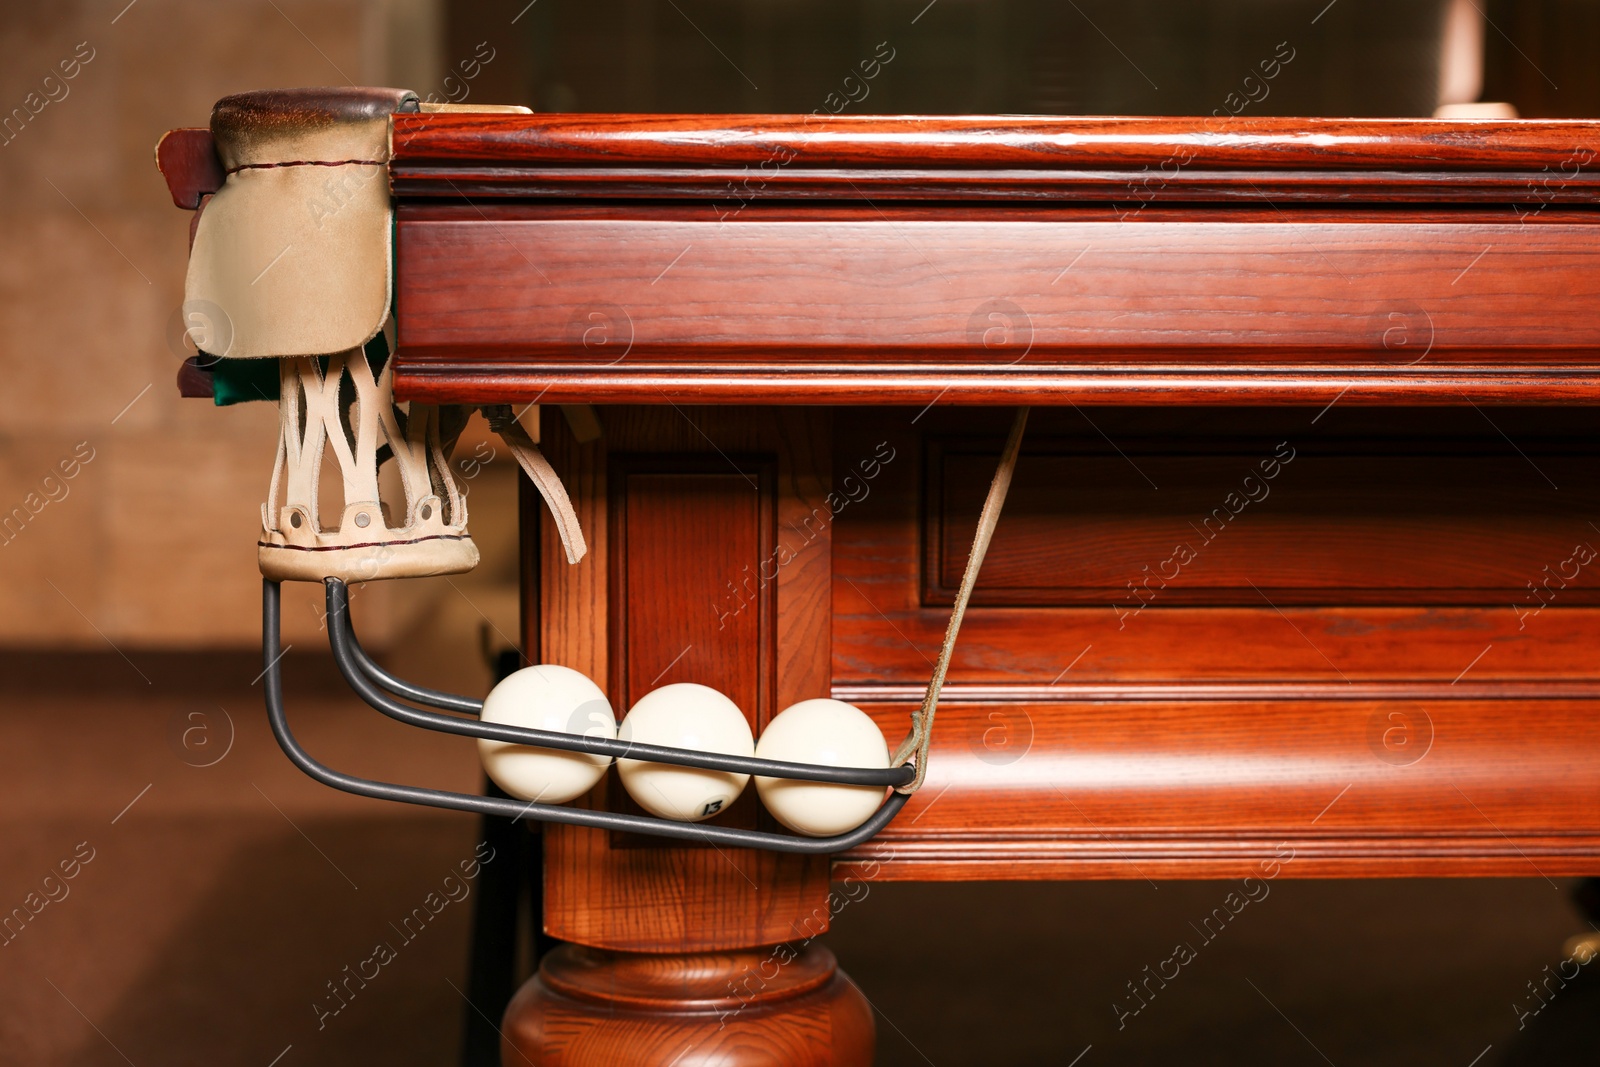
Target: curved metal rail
(350,664)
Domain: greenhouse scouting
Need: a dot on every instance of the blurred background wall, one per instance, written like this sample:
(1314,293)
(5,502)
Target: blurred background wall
(149,544)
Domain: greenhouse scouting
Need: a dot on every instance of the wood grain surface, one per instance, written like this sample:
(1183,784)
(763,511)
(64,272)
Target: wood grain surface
(648,303)
(994,261)
(736,158)
(679,527)
(785,1007)
(187,159)
(1226,521)
(1422,713)
(674,593)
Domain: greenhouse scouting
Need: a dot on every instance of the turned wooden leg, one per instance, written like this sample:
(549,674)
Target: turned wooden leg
(771,1007)
(663,963)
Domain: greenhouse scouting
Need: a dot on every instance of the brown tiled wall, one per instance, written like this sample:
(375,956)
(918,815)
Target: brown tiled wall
(151,544)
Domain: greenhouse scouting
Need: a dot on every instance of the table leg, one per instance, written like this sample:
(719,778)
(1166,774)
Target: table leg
(779,1005)
(709,563)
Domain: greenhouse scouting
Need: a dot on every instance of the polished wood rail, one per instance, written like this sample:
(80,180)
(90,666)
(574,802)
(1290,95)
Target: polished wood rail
(911,157)
(992,261)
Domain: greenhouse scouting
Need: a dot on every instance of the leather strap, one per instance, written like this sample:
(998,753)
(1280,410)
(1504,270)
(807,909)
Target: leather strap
(548,483)
(920,738)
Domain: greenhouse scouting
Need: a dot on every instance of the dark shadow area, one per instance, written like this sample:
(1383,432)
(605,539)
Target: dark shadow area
(1563,1030)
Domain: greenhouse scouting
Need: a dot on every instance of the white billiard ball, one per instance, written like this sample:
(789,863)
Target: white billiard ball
(830,733)
(557,699)
(696,717)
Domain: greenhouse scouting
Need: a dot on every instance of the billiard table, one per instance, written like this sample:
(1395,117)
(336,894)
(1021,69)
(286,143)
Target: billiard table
(1295,578)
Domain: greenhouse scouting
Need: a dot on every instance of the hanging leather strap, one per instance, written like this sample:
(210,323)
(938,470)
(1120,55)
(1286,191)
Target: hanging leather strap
(920,738)
(548,482)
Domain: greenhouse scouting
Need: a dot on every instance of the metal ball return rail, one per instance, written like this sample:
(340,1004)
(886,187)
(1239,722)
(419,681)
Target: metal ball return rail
(379,688)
